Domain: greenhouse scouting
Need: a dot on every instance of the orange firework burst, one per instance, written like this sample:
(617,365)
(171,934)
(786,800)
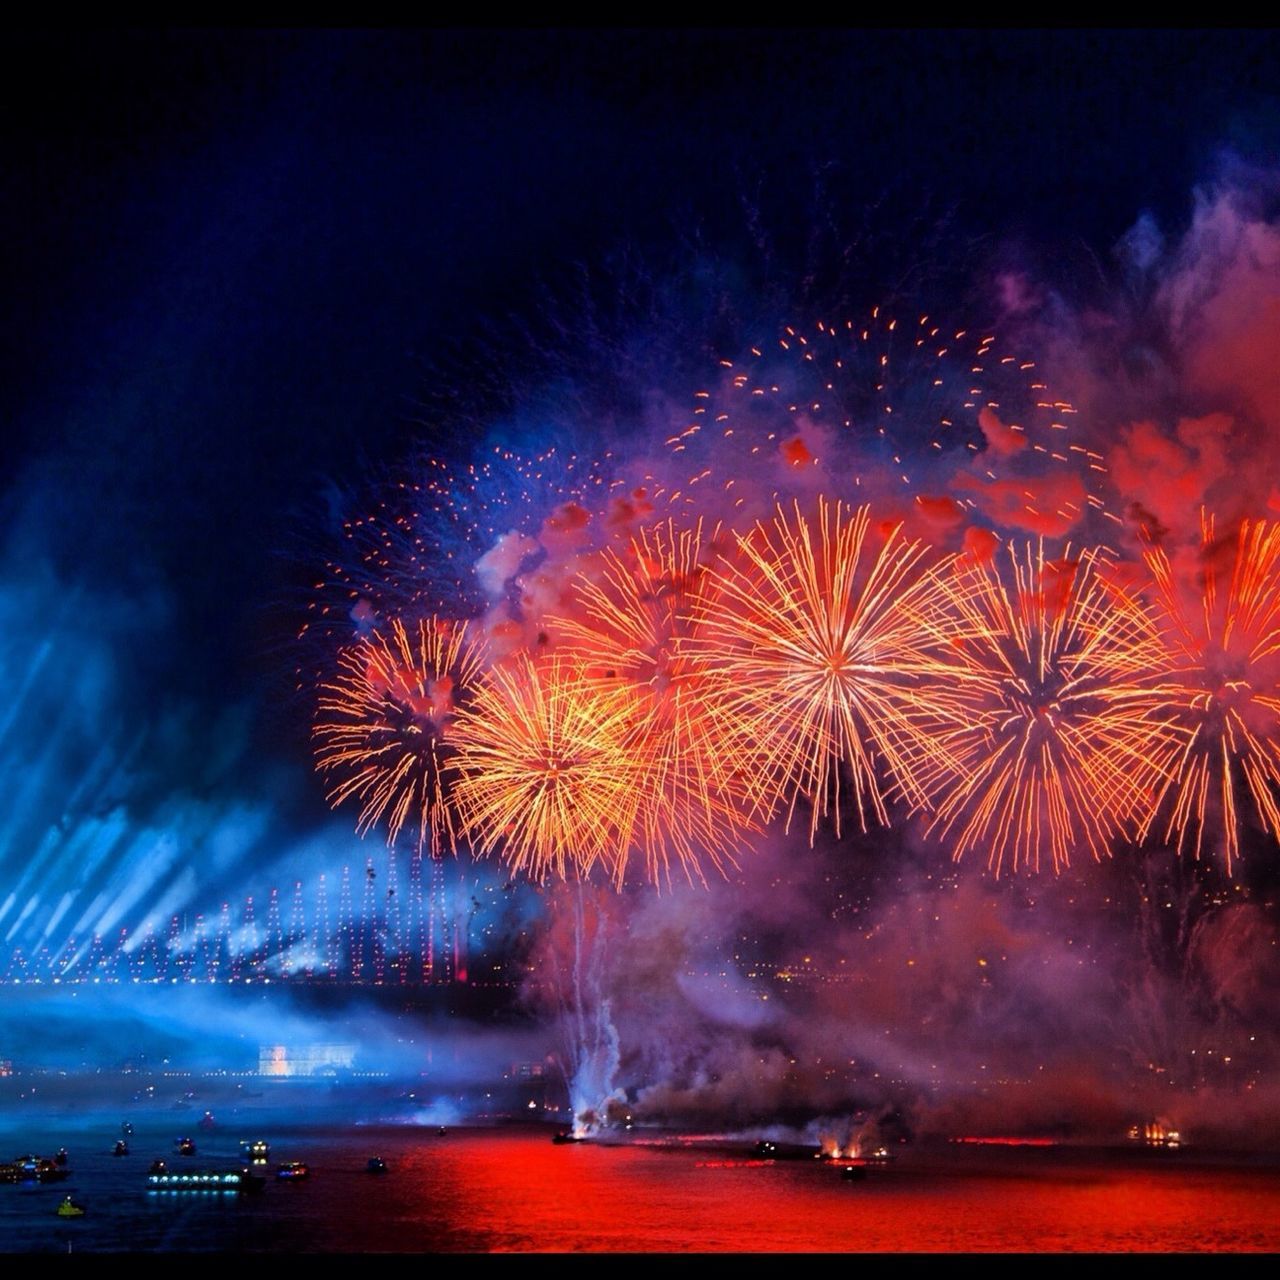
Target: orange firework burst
(1056,737)
(820,636)
(631,631)
(539,757)
(1222,640)
(384,726)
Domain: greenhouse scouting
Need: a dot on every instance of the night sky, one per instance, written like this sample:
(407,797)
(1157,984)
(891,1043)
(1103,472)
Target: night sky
(230,259)
(240,273)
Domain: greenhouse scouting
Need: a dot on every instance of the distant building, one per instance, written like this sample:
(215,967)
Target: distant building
(284,1062)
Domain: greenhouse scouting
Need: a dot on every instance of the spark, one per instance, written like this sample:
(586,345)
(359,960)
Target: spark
(384,726)
(1222,647)
(632,631)
(1056,737)
(538,754)
(820,635)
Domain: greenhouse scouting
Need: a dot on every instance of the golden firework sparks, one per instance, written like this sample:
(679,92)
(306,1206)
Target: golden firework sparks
(821,640)
(630,629)
(1056,737)
(383,730)
(541,774)
(1222,650)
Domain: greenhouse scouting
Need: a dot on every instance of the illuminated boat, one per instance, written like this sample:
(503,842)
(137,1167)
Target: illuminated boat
(186,1147)
(33,1169)
(158,1166)
(259,1151)
(293,1171)
(121,1148)
(60,1156)
(853,1173)
(765,1150)
(234,1180)
(69,1209)
(1155,1133)
(376,1165)
(565,1137)
(207,1122)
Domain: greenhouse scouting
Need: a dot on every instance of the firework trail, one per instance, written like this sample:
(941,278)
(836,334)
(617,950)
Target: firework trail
(1056,738)
(1222,655)
(541,769)
(630,630)
(384,727)
(820,634)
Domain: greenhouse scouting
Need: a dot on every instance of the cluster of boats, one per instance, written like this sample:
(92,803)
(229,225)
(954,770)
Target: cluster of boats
(250,1177)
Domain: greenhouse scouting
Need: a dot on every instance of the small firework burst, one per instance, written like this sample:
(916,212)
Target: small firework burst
(384,727)
(541,769)
(1056,737)
(1221,632)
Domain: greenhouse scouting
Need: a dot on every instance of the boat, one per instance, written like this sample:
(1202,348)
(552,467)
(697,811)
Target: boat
(292,1171)
(121,1148)
(258,1151)
(32,1169)
(565,1137)
(127,1129)
(765,1150)
(235,1180)
(853,1173)
(69,1209)
(60,1156)
(207,1122)
(376,1165)
(158,1166)
(1157,1134)
(186,1147)
(441,1131)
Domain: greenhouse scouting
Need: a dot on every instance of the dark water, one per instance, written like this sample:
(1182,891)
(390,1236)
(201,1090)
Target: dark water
(486,1189)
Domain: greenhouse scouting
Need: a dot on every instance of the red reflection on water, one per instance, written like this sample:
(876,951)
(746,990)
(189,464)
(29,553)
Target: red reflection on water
(1009,1142)
(523,1193)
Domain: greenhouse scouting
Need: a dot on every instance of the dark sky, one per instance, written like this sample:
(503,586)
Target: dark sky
(228,260)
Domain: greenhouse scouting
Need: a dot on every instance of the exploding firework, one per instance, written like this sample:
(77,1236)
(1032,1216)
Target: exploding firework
(541,763)
(932,420)
(821,635)
(1222,641)
(384,728)
(1056,737)
(426,542)
(631,630)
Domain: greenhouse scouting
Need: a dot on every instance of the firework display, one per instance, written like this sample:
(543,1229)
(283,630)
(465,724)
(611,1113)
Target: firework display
(383,728)
(816,604)
(635,628)
(1221,630)
(1059,735)
(538,754)
(821,637)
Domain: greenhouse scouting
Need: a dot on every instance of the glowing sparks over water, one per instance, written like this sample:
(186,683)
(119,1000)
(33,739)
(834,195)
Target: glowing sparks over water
(1222,637)
(821,637)
(383,730)
(1058,738)
(631,630)
(542,776)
